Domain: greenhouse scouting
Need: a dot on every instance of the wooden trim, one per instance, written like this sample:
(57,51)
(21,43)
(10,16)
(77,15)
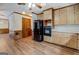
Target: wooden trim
(47,9)
(22,14)
(39,13)
(18,31)
(3,31)
(66,6)
(53,18)
(34,13)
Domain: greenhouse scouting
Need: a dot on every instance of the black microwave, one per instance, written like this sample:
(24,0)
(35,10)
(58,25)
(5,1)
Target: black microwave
(47,30)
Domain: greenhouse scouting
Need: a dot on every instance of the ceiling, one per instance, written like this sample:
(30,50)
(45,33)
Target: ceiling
(7,8)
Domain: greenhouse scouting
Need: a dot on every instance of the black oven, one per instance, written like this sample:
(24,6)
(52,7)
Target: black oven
(47,30)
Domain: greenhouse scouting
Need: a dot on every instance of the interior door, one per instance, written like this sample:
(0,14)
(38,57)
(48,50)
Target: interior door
(26,27)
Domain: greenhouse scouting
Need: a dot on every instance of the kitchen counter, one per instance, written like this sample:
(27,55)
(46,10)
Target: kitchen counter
(67,28)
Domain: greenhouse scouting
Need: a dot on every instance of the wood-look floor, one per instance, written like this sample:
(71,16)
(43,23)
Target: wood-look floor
(27,46)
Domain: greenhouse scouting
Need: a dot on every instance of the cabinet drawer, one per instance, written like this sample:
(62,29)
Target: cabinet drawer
(60,40)
(62,34)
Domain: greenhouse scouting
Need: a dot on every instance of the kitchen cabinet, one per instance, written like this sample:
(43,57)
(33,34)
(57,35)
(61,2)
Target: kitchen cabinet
(65,39)
(47,38)
(48,14)
(57,17)
(77,14)
(70,15)
(40,16)
(72,43)
(63,16)
(78,42)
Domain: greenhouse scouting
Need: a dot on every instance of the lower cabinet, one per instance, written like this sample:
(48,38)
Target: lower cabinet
(72,43)
(47,38)
(65,39)
(78,44)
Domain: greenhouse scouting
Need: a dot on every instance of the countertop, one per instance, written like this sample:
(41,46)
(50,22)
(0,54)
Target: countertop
(67,28)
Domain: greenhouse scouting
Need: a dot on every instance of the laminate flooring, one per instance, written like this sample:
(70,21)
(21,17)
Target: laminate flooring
(27,46)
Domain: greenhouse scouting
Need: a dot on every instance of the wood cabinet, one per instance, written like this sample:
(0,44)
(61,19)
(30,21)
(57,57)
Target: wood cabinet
(57,17)
(63,16)
(47,38)
(40,16)
(77,14)
(70,15)
(78,42)
(67,15)
(48,14)
(72,43)
(65,39)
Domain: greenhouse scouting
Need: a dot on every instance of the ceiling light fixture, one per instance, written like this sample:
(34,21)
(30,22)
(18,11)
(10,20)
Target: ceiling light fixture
(39,5)
(23,12)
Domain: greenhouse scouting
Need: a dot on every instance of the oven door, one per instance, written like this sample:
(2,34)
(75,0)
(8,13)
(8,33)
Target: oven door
(47,31)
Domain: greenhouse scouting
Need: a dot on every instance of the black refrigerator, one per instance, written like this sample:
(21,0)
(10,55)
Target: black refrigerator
(38,30)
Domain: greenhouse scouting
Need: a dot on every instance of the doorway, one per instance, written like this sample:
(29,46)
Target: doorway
(26,27)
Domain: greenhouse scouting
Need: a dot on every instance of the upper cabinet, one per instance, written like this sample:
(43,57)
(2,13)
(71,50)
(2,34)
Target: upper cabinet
(57,17)
(70,15)
(67,15)
(63,16)
(77,14)
(40,16)
(48,14)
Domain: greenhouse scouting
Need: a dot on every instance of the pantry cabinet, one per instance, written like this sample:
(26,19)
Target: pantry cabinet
(77,14)
(57,17)
(63,16)
(48,14)
(70,15)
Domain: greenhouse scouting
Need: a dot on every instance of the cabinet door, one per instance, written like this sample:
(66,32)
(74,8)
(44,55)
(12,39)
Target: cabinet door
(63,16)
(78,44)
(40,17)
(57,17)
(77,14)
(70,15)
(47,38)
(48,14)
(72,42)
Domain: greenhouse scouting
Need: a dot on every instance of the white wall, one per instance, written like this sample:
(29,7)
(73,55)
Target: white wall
(3,24)
(34,17)
(11,23)
(15,22)
(18,22)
